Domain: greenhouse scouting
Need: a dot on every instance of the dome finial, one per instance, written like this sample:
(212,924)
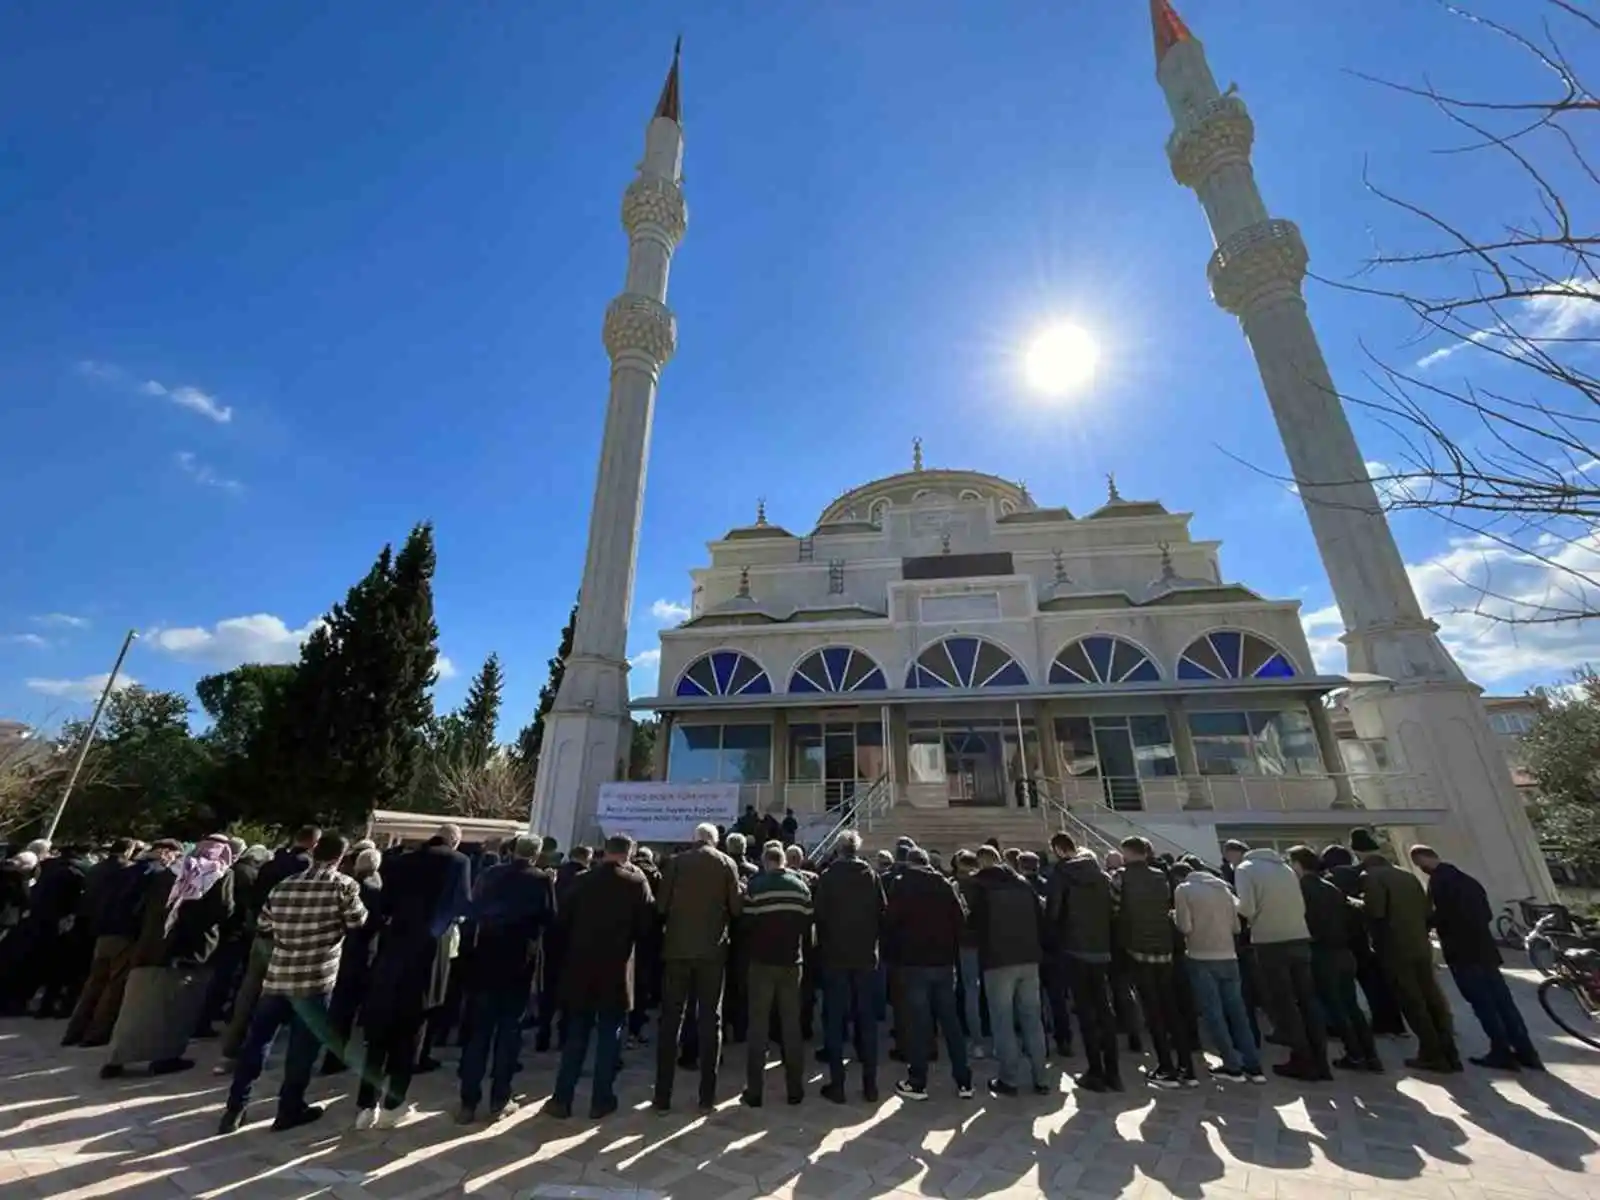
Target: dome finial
(744,583)
(1061,567)
(1113,496)
(1167,571)
(761,510)
(916,454)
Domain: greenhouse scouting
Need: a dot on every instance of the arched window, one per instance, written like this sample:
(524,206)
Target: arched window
(1007,507)
(965,662)
(879,512)
(1233,654)
(837,669)
(724,673)
(1101,658)
(970,494)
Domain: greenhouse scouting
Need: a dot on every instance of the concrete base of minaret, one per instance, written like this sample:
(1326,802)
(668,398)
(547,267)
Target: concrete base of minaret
(586,743)
(1437,729)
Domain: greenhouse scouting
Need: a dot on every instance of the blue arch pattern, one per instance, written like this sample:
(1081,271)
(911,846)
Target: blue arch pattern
(1233,654)
(1103,658)
(965,662)
(724,673)
(837,669)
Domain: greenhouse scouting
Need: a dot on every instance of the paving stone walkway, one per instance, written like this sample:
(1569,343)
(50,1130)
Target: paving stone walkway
(66,1134)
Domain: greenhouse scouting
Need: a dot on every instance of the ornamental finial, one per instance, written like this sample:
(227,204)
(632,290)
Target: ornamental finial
(670,105)
(1061,567)
(1167,571)
(744,583)
(1113,496)
(916,454)
(761,510)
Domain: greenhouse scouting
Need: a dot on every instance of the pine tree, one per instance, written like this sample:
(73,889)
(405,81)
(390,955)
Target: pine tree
(530,740)
(480,712)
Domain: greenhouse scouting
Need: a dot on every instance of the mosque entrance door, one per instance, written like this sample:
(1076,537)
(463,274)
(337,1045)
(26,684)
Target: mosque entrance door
(974,773)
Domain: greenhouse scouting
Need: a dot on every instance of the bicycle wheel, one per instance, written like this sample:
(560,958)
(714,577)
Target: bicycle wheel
(1565,1002)
(1506,930)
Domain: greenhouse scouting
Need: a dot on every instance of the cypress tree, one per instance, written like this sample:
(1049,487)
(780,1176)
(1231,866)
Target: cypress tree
(480,712)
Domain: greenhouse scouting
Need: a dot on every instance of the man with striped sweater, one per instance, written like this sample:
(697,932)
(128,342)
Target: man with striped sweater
(776,923)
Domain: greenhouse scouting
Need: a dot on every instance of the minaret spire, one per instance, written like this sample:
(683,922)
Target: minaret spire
(1421,703)
(586,733)
(670,106)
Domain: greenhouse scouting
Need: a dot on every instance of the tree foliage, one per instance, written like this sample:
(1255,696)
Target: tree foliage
(1562,753)
(480,712)
(530,739)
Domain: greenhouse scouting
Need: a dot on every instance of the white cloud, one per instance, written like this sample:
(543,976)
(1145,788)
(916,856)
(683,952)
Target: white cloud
(205,476)
(445,668)
(62,621)
(670,612)
(25,639)
(646,658)
(1394,485)
(87,689)
(1565,309)
(1483,596)
(261,638)
(185,396)
(644,676)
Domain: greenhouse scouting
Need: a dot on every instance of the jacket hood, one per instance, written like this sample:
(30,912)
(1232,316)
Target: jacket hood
(1080,868)
(1206,879)
(1264,854)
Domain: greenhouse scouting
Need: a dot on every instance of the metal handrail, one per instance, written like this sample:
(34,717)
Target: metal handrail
(864,803)
(1251,793)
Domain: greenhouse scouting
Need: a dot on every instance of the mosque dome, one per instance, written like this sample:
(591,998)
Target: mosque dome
(868,502)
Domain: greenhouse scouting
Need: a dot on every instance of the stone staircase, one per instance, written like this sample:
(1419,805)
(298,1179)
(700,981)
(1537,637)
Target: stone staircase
(950,829)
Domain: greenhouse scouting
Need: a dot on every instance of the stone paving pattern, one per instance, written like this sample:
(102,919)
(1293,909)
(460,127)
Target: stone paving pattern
(1480,1136)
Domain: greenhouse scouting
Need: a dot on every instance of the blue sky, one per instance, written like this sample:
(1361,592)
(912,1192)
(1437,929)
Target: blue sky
(282,279)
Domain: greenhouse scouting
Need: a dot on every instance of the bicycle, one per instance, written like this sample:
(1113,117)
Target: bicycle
(1572,979)
(1509,929)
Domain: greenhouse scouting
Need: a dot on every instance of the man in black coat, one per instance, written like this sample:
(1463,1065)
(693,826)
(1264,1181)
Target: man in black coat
(425,891)
(554,950)
(1008,918)
(512,904)
(1078,911)
(924,923)
(609,912)
(1461,916)
(849,902)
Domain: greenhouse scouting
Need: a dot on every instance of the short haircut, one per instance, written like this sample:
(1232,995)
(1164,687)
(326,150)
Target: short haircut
(619,845)
(886,857)
(988,856)
(849,843)
(1306,858)
(770,843)
(123,847)
(330,848)
(1063,843)
(964,858)
(918,857)
(1337,856)
(706,834)
(1012,855)
(238,845)
(449,834)
(307,835)
(1236,844)
(644,854)
(525,848)
(794,856)
(1422,851)
(773,855)
(581,854)
(367,861)
(1028,860)
(1139,845)
(735,844)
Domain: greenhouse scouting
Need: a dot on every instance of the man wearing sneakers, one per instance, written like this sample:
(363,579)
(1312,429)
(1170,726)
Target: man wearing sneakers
(1144,929)
(924,923)
(1008,918)
(1207,915)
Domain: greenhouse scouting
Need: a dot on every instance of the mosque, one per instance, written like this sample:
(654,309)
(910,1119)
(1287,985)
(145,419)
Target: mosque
(940,648)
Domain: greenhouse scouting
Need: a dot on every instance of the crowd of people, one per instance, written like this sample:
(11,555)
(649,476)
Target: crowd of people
(372,960)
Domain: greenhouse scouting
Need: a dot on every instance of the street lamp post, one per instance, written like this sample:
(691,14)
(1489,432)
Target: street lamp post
(88,736)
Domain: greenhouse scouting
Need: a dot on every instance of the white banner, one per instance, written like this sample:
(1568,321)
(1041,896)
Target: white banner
(665,812)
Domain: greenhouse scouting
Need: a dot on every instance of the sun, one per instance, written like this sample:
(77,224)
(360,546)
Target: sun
(1060,359)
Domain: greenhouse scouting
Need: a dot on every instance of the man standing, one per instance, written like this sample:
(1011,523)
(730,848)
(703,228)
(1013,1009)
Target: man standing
(1207,914)
(103,889)
(1078,909)
(1462,917)
(512,904)
(1398,909)
(424,892)
(776,927)
(1271,901)
(849,903)
(970,977)
(1144,928)
(306,918)
(700,899)
(609,912)
(924,922)
(1330,919)
(1009,920)
(554,949)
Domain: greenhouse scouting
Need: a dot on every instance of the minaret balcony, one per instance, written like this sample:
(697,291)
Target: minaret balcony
(640,326)
(653,202)
(1257,264)
(1215,133)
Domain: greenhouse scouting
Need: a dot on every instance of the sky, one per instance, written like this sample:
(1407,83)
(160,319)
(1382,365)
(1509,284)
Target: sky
(281,280)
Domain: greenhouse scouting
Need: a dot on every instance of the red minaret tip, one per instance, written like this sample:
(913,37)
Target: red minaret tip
(669,105)
(1169,27)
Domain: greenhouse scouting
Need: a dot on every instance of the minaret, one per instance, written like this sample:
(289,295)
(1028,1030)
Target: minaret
(1430,714)
(586,739)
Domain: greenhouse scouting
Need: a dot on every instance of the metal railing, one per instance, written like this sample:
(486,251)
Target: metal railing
(865,804)
(1088,826)
(1249,793)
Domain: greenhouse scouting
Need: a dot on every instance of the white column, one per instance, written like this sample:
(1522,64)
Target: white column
(585,741)
(1430,714)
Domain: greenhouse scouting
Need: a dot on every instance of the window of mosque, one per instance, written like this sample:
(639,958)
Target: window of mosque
(879,512)
(1007,507)
(965,662)
(835,751)
(1104,746)
(837,669)
(724,673)
(1101,658)
(720,754)
(969,494)
(1256,743)
(1233,654)
(1511,723)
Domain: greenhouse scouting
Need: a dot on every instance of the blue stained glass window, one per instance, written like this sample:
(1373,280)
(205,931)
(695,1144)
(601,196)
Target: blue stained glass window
(724,673)
(837,669)
(1103,658)
(965,662)
(1234,654)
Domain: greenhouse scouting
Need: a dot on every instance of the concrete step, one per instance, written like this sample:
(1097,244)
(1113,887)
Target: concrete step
(950,829)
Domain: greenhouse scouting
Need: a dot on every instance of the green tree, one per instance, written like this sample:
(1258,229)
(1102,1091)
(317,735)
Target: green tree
(1562,753)
(480,712)
(245,705)
(642,751)
(530,739)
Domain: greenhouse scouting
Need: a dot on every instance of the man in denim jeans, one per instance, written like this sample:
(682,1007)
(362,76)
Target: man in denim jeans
(924,924)
(1008,918)
(1207,914)
(849,903)
(971,974)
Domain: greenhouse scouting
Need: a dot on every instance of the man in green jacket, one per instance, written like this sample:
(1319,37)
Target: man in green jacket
(1397,908)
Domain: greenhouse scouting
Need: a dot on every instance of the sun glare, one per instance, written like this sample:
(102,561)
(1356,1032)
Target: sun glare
(1061,359)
